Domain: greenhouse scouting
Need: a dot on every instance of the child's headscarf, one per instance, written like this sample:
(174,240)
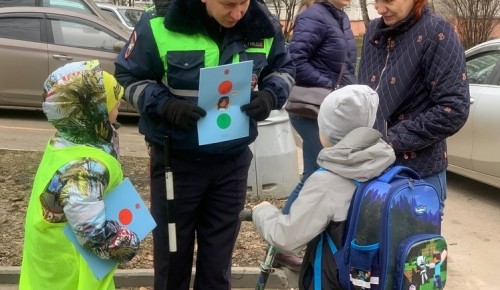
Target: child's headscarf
(77,99)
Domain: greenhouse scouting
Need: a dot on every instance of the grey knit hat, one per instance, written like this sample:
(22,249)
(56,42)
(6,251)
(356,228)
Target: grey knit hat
(346,109)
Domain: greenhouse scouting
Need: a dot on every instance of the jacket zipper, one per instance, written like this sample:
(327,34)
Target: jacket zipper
(382,73)
(385,64)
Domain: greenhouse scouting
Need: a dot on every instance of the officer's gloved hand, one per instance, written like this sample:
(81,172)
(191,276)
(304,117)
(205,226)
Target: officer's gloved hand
(182,114)
(260,106)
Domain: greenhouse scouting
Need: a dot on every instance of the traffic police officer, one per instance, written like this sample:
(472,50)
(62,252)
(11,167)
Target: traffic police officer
(160,69)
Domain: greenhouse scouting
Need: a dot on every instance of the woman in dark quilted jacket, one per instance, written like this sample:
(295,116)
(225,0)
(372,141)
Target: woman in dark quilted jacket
(323,50)
(414,60)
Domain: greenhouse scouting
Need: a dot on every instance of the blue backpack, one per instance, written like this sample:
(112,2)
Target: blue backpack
(391,239)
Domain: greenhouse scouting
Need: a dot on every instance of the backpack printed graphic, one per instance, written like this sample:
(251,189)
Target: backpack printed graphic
(422,263)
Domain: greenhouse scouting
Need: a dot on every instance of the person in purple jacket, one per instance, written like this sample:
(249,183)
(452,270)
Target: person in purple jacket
(414,60)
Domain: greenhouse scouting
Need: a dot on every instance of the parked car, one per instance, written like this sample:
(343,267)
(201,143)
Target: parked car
(35,41)
(88,7)
(473,151)
(128,16)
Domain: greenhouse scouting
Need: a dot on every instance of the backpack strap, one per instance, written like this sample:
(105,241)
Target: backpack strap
(317,264)
(391,173)
(331,244)
(318,258)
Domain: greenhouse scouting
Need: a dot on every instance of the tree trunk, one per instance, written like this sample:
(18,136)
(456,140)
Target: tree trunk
(430,4)
(364,12)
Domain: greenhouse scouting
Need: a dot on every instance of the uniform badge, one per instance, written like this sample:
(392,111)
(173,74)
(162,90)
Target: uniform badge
(255,44)
(131,44)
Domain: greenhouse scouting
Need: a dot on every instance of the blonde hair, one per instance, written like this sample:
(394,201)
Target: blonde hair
(305,4)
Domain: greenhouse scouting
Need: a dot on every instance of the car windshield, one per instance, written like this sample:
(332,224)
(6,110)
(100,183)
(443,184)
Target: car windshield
(11,3)
(131,16)
(480,67)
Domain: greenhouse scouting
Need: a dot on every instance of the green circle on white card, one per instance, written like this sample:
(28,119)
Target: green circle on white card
(224,121)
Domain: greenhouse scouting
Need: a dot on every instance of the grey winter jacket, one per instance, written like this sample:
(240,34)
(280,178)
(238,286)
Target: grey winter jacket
(325,198)
(361,155)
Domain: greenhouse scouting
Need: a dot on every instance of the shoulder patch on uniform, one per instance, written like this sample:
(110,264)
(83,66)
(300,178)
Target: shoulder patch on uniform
(131,44)
(255,44)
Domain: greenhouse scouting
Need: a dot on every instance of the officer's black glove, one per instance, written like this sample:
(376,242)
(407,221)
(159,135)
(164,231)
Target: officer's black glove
(182,114)
(260,106)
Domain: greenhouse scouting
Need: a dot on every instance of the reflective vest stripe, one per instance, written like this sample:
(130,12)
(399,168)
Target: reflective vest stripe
(137,87)
(169,41)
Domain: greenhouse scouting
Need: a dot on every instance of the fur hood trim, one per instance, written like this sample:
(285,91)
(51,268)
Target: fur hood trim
(186,16)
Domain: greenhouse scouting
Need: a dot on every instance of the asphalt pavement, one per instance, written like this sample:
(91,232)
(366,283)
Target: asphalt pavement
(30,131)
(471,221)
(142,279)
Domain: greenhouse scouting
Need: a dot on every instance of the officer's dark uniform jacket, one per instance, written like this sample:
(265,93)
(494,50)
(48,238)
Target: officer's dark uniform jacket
(155,69)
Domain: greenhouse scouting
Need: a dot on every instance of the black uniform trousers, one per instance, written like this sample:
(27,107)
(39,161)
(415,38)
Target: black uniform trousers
(208,197)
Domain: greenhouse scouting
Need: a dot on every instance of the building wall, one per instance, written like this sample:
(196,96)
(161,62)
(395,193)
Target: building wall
(496,32)
(358,27)
(356,18)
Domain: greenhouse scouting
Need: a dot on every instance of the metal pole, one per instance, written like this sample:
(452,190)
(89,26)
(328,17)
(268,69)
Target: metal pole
(169,190)
(266,266)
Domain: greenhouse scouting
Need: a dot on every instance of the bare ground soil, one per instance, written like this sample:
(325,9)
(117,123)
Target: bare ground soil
(17,170)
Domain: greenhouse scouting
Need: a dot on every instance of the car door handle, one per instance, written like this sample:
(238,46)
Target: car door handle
(472,100)
(62,56)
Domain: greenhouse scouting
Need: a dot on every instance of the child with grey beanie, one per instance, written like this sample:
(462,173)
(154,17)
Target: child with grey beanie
(346,109)
(353,151)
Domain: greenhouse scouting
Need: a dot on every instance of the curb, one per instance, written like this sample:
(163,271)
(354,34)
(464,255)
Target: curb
(241,277)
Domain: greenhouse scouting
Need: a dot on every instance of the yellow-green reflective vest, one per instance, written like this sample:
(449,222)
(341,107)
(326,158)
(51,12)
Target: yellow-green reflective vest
(168,41)
(50,260)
